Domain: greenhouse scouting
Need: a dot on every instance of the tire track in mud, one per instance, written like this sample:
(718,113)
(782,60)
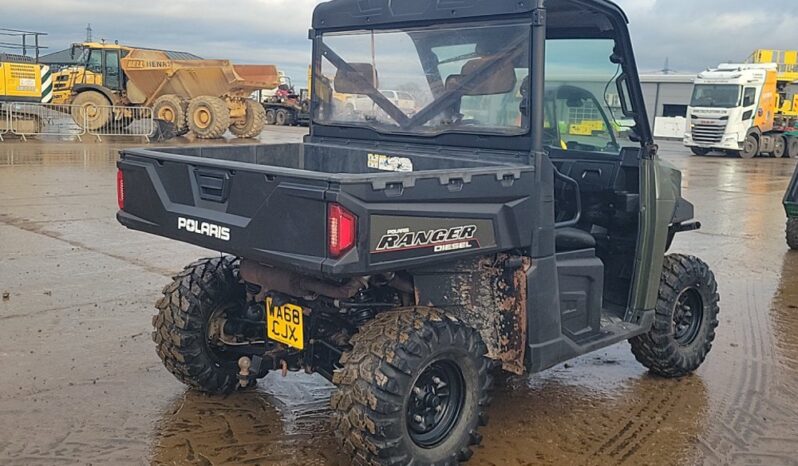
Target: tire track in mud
(756,422)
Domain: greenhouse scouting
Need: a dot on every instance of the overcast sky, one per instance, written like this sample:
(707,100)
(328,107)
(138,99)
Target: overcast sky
(693,34)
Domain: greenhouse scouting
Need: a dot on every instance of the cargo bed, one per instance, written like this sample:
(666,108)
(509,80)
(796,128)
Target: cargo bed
(270,202)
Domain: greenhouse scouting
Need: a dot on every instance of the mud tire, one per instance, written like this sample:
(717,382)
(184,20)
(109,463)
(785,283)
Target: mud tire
(792,233)
(181,325)
(208,117)
(700,151)
(172,109)
(91,110)
(659,349)
(388,356)
(253,123)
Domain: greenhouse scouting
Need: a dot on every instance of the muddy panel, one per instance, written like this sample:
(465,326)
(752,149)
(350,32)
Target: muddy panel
(488,294)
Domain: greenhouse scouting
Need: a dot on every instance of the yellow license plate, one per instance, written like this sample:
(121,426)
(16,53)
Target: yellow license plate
(284,324)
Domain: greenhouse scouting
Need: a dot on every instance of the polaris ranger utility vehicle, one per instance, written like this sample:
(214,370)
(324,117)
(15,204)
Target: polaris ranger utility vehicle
(505,222)
(791,207)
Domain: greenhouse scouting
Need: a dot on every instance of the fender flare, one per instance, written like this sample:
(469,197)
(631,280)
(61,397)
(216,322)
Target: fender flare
(112,98)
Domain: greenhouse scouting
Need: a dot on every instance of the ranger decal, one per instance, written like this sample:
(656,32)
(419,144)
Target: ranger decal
(441,240)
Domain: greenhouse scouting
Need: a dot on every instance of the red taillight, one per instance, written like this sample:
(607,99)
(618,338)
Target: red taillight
(120,190)
(341,230)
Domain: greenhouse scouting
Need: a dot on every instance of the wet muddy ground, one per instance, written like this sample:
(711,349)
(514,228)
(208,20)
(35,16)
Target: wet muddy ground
(80,381)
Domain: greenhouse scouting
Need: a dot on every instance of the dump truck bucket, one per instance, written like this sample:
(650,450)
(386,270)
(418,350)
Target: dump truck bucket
(152,74)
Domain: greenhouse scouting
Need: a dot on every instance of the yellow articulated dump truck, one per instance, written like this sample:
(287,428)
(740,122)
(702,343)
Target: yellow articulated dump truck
(22,81)
(206,97)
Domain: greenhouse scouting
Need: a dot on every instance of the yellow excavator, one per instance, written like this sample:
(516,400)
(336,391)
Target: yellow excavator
(22,80)
(205,97)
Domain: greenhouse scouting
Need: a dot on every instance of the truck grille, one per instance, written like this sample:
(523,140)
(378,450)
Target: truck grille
(708,134)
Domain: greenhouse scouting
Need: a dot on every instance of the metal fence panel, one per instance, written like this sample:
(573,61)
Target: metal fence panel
(40,119)
(121,121)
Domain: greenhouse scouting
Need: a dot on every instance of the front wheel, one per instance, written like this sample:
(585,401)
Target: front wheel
(685,320)
(750,147)
(413,389)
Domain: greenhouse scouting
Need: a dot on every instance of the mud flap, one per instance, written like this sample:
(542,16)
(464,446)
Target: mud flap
(488,294)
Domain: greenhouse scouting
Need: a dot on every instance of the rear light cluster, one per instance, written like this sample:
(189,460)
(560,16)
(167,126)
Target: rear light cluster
(341,230)
(120,189)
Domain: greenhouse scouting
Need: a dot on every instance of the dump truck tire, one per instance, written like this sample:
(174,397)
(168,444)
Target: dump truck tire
(91,110)
(172,109)
(792,233)
(270,117)
(208,117)
(203,291)
(413,389)
(685,320)
(253,123)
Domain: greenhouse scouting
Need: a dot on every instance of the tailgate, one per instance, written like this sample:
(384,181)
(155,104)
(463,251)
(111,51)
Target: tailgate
(241,209)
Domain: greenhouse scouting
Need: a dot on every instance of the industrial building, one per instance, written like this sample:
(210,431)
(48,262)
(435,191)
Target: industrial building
(667,97)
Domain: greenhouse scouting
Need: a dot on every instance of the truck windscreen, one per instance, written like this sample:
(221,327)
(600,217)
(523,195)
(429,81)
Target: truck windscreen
(716,95)
(425,80)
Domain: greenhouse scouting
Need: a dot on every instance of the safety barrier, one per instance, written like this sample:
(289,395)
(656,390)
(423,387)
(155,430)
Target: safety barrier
(64,120)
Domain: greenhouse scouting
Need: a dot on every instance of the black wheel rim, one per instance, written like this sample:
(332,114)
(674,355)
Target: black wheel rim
(436,400)
(687,316)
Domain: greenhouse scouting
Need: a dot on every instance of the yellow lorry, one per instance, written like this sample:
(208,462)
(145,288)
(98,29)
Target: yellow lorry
(206,97)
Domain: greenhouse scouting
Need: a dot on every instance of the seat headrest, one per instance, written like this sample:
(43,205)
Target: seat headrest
(495,79)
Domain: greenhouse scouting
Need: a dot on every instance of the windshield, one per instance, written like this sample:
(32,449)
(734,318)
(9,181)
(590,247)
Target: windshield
(425,81)
(716,95)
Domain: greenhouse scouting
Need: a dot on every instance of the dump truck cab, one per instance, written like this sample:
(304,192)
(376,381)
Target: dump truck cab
(516,216)
(97,66)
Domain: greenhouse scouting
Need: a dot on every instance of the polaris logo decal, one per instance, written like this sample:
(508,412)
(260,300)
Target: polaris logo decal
(203,228)
(441,240)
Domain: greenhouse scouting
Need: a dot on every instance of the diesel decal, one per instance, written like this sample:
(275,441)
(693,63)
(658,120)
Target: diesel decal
(441,240)
(203,228)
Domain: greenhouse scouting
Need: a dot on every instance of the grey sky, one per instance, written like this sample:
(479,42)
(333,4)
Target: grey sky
(694,34)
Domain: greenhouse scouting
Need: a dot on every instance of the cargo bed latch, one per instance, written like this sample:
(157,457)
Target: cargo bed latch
(212,185)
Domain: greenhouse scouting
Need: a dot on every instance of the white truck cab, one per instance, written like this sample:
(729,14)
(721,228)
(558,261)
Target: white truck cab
(733,110)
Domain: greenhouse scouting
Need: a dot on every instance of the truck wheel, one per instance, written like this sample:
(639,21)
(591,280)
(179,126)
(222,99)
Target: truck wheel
(792,147)
(171,108)
(685,321)
(208,117)
(199,297)
(91,110)
(413,388)
(779,147)
(270,117)
(281,117)
(750,147)
(253,122)
(792,233)
(700,151)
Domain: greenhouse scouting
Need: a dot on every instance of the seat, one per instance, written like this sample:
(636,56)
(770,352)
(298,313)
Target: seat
(573,239)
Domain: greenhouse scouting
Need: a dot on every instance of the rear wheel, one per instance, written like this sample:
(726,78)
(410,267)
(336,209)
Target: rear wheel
(193,305)
(270,117)
(792,147)
(750,147)
(700,151)
(792,233)
(253,122)
(282,117)
(172,109)
(91,110)
(779,147)
(685,321)
(413,389)
(208,117)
